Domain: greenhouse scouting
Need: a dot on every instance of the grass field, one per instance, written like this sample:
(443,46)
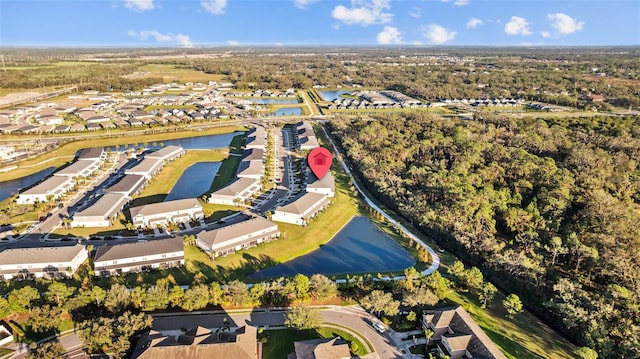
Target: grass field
(170,73)
(280,342)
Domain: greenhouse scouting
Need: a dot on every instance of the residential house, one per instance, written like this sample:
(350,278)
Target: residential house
(335,348)
(41,262)
(457,335)
(326,185)
(167,153)
(128,185)
(148,167)
(53,187)
(236,192)
(225,240)
(199,343)
(301,210)
(6,336)
(138,256)
(102,212)
(181,210)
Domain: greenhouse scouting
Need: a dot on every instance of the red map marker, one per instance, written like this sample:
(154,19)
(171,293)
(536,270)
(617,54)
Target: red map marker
(319,161)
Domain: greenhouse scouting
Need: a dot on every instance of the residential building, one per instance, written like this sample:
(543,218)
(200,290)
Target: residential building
(102,212)
(236,192)
(225,240)
(167,153)
(326,185)
(181,210)
(335,348)
(6,336)
(148,167)
(301,210)
(253,154)
(199,343)
(457,335)
(138,256)
(251,169)
(129,185)
(41,262)
(80,168)
(53,186)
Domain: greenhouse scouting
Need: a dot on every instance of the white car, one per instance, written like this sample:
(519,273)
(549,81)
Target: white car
(379,327)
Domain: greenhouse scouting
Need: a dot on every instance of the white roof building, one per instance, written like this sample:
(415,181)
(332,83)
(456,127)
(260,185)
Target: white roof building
(41,262)
(53,186)
(102,212)
(326,185)
(301,210)
(226,240)
(162,213)
(138,256)
(236,192)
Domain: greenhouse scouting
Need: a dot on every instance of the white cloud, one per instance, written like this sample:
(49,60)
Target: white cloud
(545,34)
(181,39)
(233,43)
(303,4)
(458,2)
(215,7)
(473,23)
(438,34)
(415,12)
(389,36)
(363,12)
(564,23)
(517,26)
(139,5)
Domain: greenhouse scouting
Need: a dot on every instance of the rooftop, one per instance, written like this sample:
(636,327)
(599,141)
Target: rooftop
(165,207)
(39,255)
(112,252)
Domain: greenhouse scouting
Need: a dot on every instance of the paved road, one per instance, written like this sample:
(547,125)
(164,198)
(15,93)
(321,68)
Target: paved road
(350,317)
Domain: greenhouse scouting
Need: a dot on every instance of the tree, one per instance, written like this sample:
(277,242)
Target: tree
(456,270)
(428,334)
(512,305)
(98,294)
(303,317)
(176,294)
(420,296)
(586,353)
(58,293)
(487,292)
(412,316)
(157,297)
(96,334)
(236,293)
(196,297)
(46,350)
(45,318)
(380,302)
(410,275)
(321,287)
(117,298)
(439,284)
(297,287)
(473,278)
(20,300)
(189,240)
(215,293)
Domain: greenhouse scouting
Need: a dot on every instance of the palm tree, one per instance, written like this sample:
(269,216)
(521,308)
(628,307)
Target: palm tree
(66,221)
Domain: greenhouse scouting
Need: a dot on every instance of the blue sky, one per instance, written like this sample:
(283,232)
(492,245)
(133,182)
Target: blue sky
(318,22)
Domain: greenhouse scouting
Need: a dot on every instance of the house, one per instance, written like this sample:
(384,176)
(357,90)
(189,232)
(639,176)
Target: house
(102,212)
(335,348)
(199,343)
(457,335)
(253,154)
(251,169)
(138,256)
(167,153)
(79,168)
(128,185)
(93,127)
(255,142)
(181,210)
(41,262)
(236,192)
(6,336)
(226,240)
(148,167)
(139,114)
(53,187)
(301,210)
(326,185)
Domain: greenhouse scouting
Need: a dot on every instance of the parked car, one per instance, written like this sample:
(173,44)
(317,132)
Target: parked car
(379,327)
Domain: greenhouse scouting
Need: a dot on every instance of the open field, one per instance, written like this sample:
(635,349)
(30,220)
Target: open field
(170,73)
(280,342)
(62,154)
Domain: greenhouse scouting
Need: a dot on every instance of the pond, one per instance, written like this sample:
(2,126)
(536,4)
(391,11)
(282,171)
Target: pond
(190,143)
(8,188)
(286,111)
(195,181)
(358,248)
(331,95)
(273,101)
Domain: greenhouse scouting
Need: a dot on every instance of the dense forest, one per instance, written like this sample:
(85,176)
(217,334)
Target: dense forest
(548,209)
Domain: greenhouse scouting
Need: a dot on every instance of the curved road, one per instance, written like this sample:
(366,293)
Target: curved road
(435,259)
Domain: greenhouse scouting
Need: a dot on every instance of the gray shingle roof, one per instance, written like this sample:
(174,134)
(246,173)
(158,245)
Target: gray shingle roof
(224,234)
(304,203)
(111,252)
(165,207)
(40,255)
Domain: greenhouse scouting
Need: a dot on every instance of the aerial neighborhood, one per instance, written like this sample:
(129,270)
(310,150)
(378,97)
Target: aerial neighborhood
(318,203)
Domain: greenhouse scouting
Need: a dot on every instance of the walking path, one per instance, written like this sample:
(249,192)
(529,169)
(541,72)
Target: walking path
(435,259)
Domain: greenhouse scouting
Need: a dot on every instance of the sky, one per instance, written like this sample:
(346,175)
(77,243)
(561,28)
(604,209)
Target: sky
(187,23)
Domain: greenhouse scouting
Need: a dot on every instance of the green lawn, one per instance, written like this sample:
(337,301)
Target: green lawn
(227,171)
(280,342)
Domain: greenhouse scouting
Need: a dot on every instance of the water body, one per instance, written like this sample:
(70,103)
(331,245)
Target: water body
(190,143)
(288,111)
(7,188)
(331,95)
(195,181)
(271,101)
(359,247)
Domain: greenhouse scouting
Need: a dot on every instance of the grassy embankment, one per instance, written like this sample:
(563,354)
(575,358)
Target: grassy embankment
(170,73)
